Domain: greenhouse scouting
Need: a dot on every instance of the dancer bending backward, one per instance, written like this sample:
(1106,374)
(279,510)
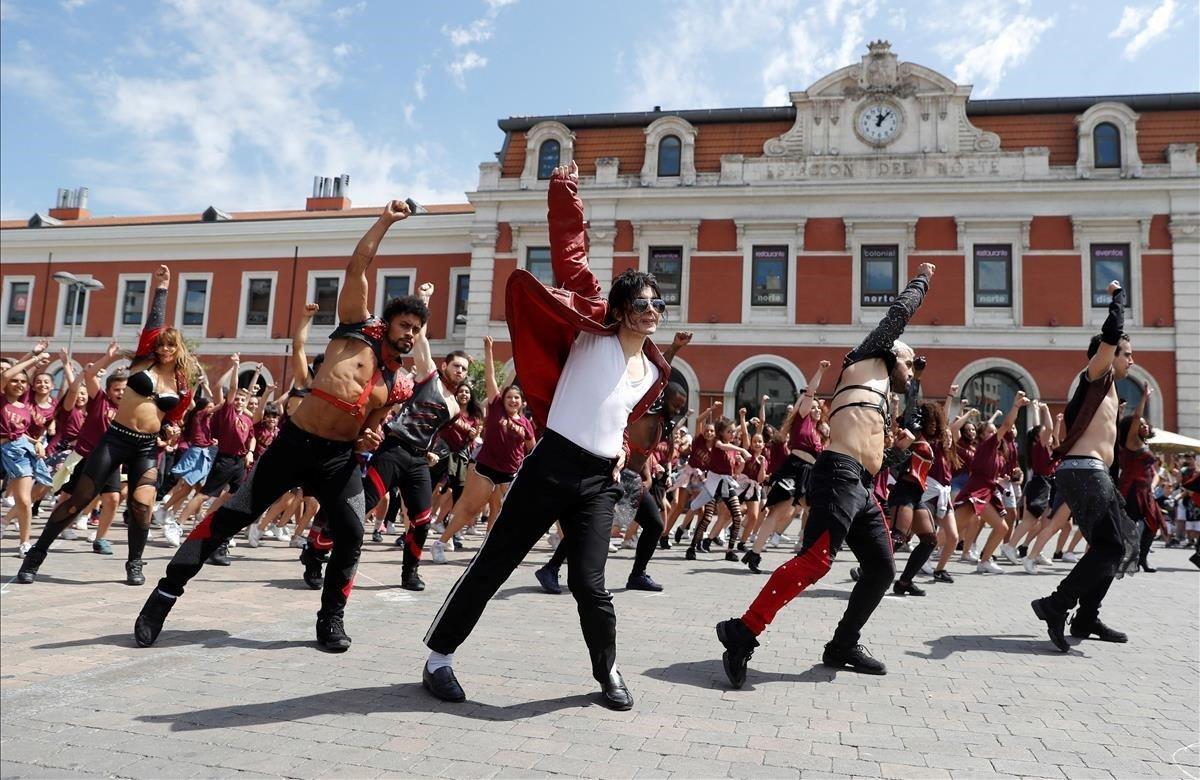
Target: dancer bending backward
(359,381)
(589,369)
(161,373)
(841,506)
(1083,480)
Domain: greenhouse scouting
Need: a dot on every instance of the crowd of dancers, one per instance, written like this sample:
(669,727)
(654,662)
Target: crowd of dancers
(591,446)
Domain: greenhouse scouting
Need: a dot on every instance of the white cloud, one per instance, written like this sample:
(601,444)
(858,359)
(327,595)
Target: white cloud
(9,11)
(469,61)
(344,12)
(419,82)
(71,5)
(478,31)
(1143,25)
(342,50)
(984,39)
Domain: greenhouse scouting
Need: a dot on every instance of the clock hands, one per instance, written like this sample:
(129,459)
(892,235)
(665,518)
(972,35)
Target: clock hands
(880,117)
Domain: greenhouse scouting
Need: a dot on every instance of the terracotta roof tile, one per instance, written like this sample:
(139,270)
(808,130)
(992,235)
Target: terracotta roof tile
(1054,131)
(1158,129)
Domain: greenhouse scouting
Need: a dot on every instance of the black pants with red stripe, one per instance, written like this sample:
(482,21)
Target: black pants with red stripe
(842,510)
(328,471)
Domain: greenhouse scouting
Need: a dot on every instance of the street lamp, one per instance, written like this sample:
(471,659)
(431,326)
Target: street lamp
(74,284)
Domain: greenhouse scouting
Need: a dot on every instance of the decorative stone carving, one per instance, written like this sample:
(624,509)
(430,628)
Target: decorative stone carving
(606,170)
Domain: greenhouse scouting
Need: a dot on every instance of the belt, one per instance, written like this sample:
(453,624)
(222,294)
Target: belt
(807,457)
(1081,463)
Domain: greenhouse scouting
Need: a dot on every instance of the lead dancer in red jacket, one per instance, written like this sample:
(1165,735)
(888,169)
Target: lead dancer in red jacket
(588,368)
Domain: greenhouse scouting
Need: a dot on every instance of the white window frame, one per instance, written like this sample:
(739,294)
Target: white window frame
(658,130)
(201,330)
(453,328)
(970,233)
(61,330)
(381,274)
(119,328)
(310,290)
(649,236)
(871,232)
(6,297)
(1125,120)
(790,235)
(264,331)
(534,138)
(1125,230)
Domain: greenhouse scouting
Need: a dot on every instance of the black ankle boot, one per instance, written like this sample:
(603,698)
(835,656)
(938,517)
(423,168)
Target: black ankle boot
(331,634)
(220,556)
(314,575)
(410,580)
(133,572)
(150,621)
(752,561)
(29,566)
(739,642)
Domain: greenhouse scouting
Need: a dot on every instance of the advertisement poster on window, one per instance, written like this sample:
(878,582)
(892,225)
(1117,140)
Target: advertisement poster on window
(770,276)
(879,274)
(992,264)
(1109,262)
(666,263)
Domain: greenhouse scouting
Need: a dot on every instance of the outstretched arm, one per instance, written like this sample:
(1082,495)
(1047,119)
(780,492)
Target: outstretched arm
(33,360)
(893,323)
(1132,439)
(1111,333)
(155,320)
(91,374)
(352,301)
(702,420)
(568,234)
(300,378)
(1010,419)
(681,340)
(422,355)
(804,402)
(489,370)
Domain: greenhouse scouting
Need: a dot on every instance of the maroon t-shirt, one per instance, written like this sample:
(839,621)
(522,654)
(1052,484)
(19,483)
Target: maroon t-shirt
(805,437)
(198,432)
(42,417)
(100,412)
(460,433)
(1042,460)
(723,461)
(777,454)
(15,418)
(264,434)
(67,422)
(701,454)
(504,438)
(756,468)
(940,470)
(986,467)
(233,431)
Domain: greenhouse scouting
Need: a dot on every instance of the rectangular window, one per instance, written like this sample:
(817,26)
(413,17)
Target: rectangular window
(195,296)
(325,295)
(462,291)
(394,287)
(133,305)
(18,303)
(666,263)
(1109,262)
(537,262)
(768,276)
(258,302)
(880,269)
(993,275)
(76,301)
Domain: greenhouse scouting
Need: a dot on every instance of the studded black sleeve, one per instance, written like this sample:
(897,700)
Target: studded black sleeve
(878,342)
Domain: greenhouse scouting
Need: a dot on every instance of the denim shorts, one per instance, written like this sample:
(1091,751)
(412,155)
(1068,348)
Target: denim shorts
(20,459)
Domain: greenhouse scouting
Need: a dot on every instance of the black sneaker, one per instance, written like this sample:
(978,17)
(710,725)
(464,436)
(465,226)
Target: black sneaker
(664,543)
(752,561)
(1172,542)
(220,556)
(856,573)
(458,543)
(642,581)
(1022,551)
(1085,629)
(1057,556)
(1055,624)
(690,555)
(1195,559)
(547,577)
(678,534)
(29,566)
(331,635)
(706,544)
(410,580)
(133,573)
(150,620)
(314,573)
(377,536)
(739,642)
(730,555)
(941,575)
(902,589)
(741,547)
(857,658)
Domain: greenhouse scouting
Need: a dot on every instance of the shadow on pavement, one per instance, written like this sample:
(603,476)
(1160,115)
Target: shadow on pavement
(1019,644)
(208,638)
(710,674)
(406,697)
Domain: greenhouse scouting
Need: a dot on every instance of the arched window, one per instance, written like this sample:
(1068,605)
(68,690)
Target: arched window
(679,379)
(548,155)
(1106,145)
(1131,391)
(768,381)
(990,391)
(244,377)
(669,155)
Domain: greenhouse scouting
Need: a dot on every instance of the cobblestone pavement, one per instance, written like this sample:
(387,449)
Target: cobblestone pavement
(236,685)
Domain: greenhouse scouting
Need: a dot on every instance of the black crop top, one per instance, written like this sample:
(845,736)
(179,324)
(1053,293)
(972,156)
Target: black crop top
(142,383)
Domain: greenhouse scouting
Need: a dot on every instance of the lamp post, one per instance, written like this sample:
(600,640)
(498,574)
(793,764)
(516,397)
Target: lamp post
(74,284)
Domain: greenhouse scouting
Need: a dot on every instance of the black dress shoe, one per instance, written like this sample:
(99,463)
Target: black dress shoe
(739,642)
(1082,629)
(1055,624)
(443,684)
(664,543)
(616,696)
(858,658)
(642,581)
(1145,566)
(906,589)
(150,620)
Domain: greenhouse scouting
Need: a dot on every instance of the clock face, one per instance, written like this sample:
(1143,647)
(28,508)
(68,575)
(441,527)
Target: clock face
(879,123)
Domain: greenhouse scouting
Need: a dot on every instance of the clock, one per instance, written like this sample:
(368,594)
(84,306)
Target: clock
(879,123)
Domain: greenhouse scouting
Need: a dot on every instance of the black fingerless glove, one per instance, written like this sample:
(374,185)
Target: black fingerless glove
(1114,324)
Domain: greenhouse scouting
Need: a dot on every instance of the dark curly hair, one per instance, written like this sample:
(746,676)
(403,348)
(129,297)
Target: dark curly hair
(409,304)
(627,287)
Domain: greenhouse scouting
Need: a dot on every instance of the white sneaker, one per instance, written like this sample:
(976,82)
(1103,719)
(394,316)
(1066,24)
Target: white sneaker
(613,545)
(1070,557)
(173,533)
(927,569)
(627,544)
(988,567)
(436,527)
(24,548)
(297,540)
(8,502)
(70,534)
(1041,560)
(775,540)
(555,540)
(785,538)
(232,543)
(283,533)
(254,535)
(438,551)
(1010,554)
(1030,565)
(968,556)
(270,533)
(92,537)
(81,523)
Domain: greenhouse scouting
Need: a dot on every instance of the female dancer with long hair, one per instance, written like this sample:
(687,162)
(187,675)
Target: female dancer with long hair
(22,454)
(160,380)
(724,461)
(1139,477)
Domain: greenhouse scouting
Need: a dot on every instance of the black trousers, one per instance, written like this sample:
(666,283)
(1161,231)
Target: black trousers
(1113,541)
(558,481)
(328,471)
(649,518)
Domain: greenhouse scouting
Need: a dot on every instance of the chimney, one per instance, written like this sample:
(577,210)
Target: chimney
(329,194)
(71,205)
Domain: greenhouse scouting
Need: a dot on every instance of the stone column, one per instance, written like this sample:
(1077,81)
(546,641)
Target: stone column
(1185,245)
(479,298)
(601,236)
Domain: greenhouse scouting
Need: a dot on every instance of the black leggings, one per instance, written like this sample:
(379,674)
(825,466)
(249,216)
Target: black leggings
(327,471)
(710,512)
(120,446)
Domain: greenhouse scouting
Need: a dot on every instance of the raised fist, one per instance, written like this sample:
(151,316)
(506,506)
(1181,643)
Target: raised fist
(310,310)
(395,211)
(1113,287)
(824,364)
(926,270)
(425,291)
(488,343)
(162,275)
(953,389)
(682,339)
(114,349)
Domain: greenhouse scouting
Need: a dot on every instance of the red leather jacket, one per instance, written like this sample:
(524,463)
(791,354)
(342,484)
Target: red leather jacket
(544,321)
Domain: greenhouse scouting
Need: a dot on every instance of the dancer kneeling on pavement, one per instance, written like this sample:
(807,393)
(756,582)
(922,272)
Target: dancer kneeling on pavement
(842,509)
(589,369)
(358,383)
(160,379)
(1084,481)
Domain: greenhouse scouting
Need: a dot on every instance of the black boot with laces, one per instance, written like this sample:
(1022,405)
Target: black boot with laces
(857,658)
(739,642)
(331,634)
(133,572)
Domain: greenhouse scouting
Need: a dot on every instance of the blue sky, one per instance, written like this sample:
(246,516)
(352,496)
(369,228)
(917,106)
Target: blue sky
(170,107)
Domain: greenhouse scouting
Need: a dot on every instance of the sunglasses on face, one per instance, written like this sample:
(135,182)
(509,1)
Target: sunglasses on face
(642,305)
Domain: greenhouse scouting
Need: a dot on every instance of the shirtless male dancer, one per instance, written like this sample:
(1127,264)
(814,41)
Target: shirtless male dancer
(842,508)
(1083,479)
(359,381)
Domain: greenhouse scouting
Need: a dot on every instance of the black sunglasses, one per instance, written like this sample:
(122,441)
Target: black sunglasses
(640,305)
